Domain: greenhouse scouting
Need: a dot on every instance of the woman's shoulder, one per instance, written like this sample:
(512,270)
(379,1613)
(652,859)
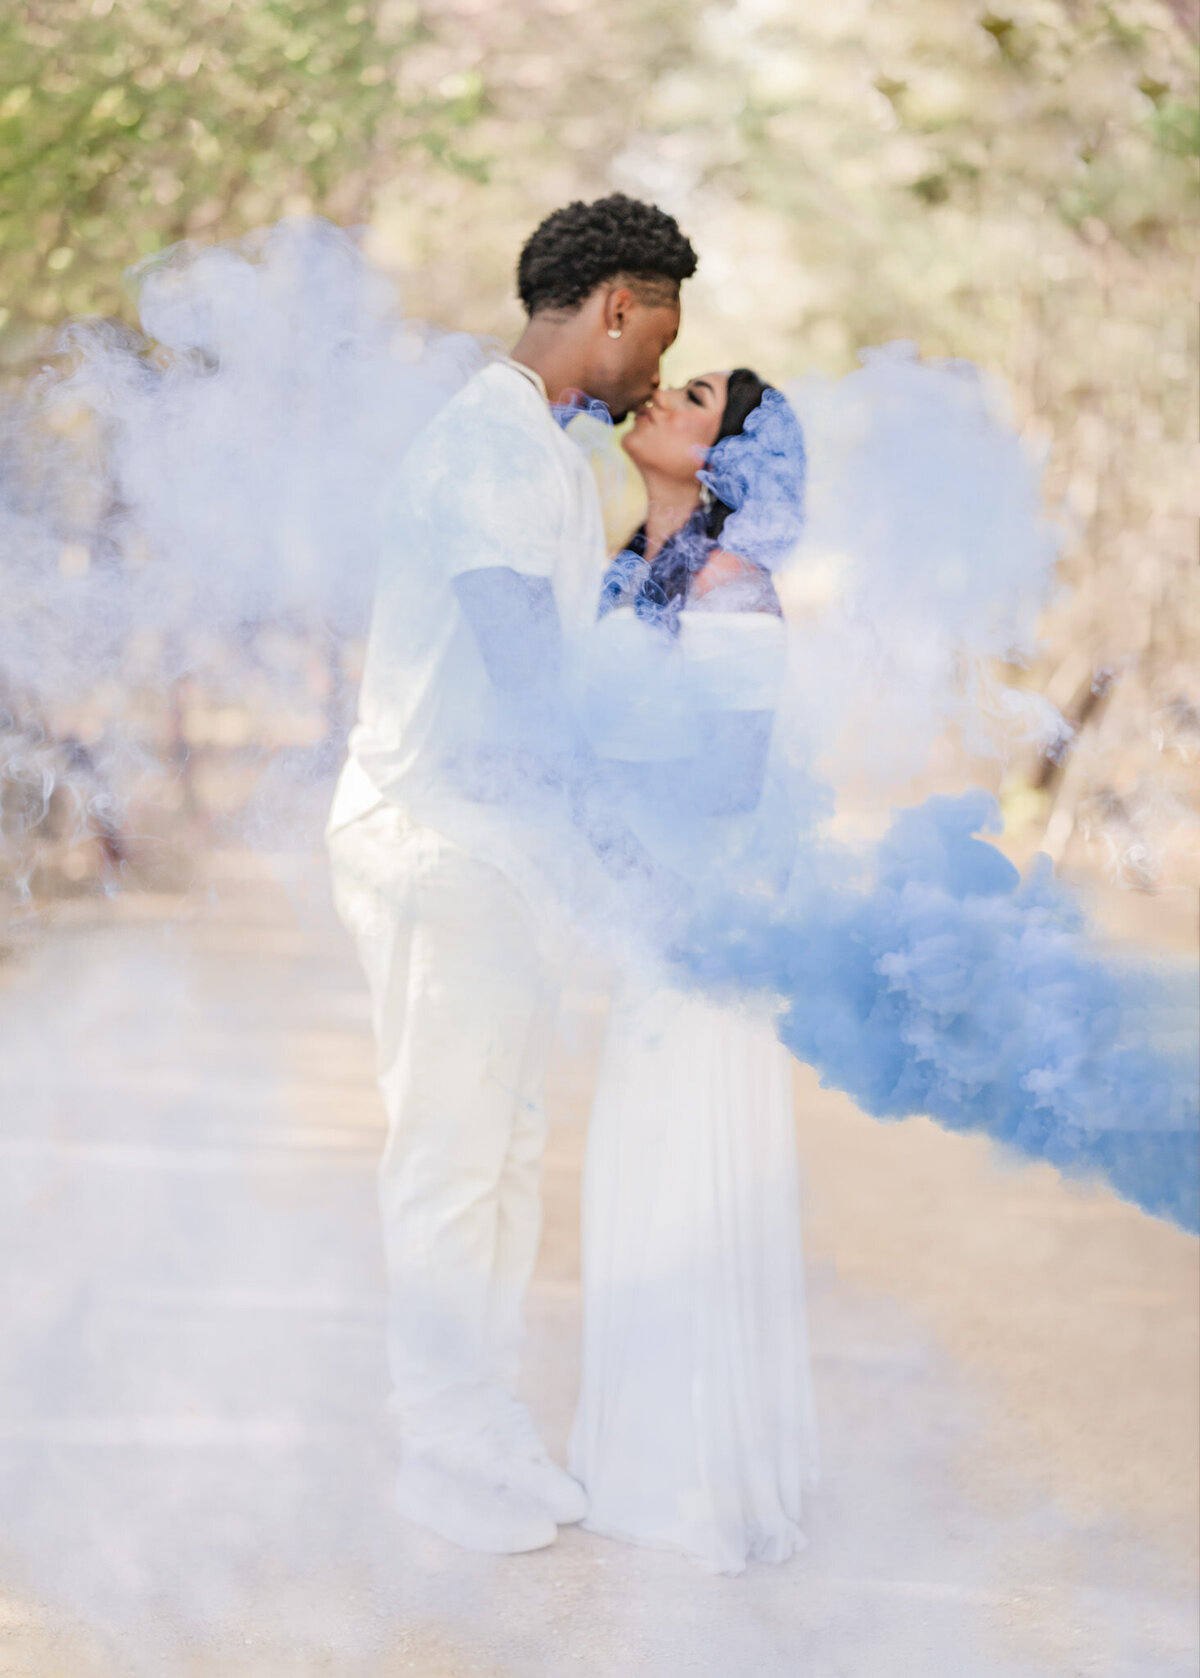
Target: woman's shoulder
(722,567)
(729,583)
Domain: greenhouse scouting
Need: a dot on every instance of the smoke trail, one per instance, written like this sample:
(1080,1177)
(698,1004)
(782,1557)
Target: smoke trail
(201,500)
(931,554)
(945,984)
(212,496)
(922,975)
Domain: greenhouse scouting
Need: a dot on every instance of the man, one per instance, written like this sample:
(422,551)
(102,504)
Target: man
(441,866)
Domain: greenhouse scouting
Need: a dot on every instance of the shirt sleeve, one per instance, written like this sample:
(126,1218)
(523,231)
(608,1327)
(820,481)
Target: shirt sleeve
(490,491)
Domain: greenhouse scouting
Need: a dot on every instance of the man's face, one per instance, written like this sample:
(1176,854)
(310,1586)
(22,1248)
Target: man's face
(624,371)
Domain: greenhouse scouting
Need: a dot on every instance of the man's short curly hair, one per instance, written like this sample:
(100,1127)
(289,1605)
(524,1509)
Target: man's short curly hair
(579,247)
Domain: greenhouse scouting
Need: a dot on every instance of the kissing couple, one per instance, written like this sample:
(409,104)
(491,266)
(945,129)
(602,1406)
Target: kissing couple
(517,670)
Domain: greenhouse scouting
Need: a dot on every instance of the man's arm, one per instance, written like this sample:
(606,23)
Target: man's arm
(514,619)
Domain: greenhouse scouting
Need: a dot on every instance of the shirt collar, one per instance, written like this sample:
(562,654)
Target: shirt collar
(535,379)
(563,412)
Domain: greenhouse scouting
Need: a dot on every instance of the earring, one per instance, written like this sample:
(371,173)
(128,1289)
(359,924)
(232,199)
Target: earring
(614,331)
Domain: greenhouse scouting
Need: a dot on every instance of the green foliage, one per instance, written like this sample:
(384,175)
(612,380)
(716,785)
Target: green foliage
(1013,182)
(130,124)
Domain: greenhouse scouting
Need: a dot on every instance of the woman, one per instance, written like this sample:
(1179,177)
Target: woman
(695,1429)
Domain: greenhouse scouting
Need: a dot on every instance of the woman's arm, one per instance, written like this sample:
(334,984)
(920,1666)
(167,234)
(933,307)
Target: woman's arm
(730,773)
(724,779)
(723,569)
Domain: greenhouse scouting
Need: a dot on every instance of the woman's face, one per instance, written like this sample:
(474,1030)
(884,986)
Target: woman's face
(674,431)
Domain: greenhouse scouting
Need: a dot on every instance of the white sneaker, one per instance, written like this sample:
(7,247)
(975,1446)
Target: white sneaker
(472,1507)
(529,1466)
(555,1489)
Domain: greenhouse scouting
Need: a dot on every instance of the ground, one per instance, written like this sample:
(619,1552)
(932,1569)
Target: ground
(195,1460)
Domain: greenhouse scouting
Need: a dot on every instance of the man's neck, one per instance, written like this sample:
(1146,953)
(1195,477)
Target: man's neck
(552,350)
(670,505)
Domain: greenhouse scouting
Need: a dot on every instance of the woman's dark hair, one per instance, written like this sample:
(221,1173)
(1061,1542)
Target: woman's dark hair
(743,394)
(579,247)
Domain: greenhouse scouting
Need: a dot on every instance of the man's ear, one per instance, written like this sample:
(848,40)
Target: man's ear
(618,303)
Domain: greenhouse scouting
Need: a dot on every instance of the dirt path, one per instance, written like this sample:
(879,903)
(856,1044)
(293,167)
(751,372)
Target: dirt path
(194,1460)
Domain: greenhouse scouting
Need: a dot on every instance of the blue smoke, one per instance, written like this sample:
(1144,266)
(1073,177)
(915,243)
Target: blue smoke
(952,987)
(759,473)
(243,470)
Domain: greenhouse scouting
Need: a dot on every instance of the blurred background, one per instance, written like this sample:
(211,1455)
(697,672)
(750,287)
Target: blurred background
(1016,186)
(194,1461)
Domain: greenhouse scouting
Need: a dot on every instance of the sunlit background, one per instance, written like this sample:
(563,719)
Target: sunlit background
(194,1463)
(1013,186)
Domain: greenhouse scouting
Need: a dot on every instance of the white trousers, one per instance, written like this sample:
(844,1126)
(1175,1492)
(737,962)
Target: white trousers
(463,1007)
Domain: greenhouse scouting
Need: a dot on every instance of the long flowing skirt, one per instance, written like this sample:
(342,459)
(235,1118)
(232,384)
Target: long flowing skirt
(695,1428)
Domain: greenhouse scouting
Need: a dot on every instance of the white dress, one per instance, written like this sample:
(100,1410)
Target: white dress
(695,1428)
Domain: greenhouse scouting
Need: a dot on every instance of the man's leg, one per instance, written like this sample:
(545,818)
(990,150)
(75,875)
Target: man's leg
(519,1200)
(518,1228)
(454,1094)
(456,984)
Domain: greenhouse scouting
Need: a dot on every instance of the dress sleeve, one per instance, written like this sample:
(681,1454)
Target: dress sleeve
(733,661)
(633,704)
(645,694)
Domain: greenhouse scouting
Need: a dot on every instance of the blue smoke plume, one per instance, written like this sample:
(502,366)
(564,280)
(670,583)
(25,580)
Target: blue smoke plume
(950,986)
(759,474)
(239,456)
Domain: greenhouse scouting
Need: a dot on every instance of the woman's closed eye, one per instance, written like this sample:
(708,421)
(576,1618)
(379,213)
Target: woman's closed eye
(693,397)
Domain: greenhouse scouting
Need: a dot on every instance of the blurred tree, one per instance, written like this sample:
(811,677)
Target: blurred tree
(126,125)
(1012,181)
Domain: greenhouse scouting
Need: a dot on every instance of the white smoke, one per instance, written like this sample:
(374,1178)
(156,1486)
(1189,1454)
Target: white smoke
(926,560)
(210,498)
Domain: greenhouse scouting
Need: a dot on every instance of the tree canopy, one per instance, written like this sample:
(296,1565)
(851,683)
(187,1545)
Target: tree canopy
(1010,182)
(127,125)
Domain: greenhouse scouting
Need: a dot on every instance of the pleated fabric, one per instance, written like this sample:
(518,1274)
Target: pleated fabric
(695,1429)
